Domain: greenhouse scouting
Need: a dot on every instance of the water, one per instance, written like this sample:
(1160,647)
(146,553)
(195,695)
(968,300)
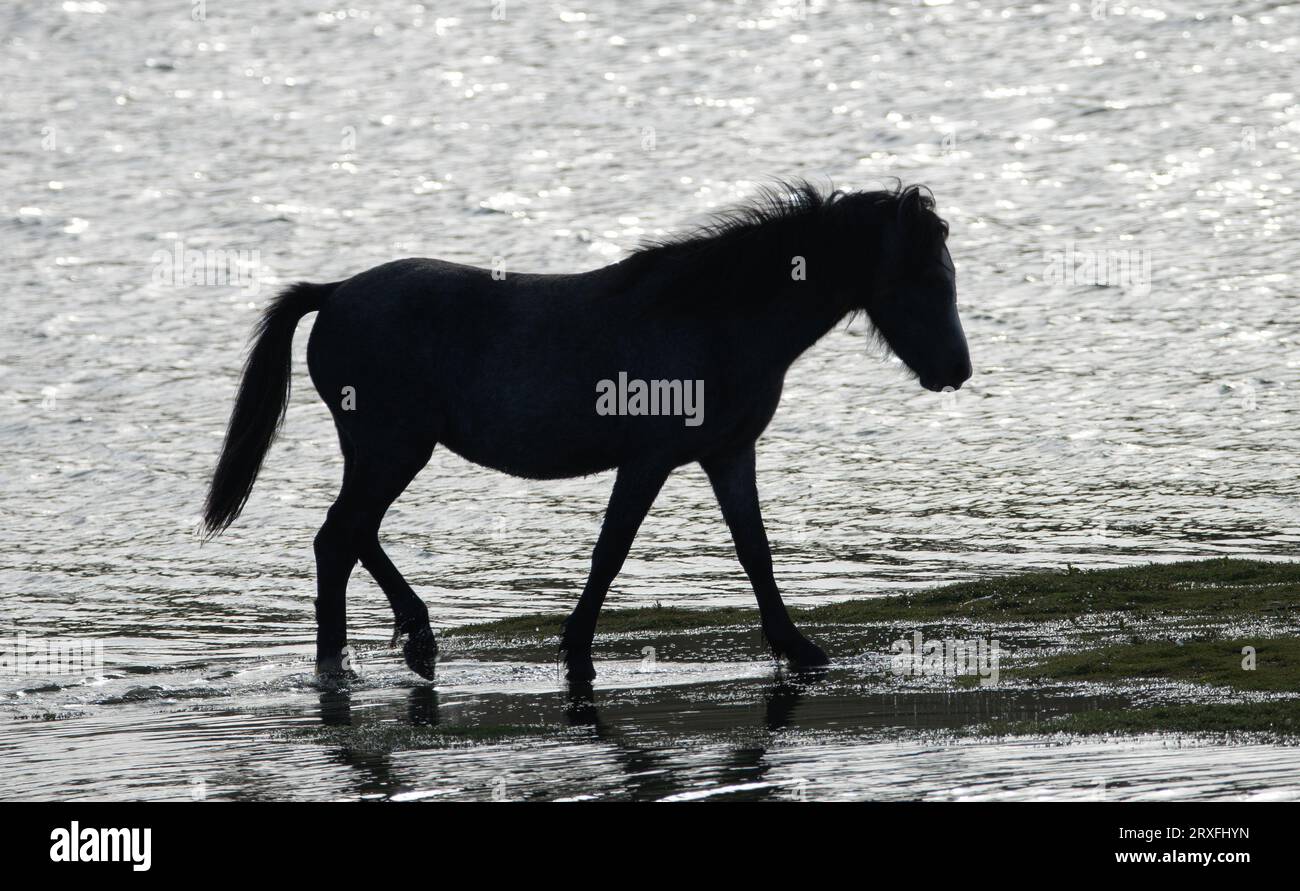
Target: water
(727,737)
(1108,422)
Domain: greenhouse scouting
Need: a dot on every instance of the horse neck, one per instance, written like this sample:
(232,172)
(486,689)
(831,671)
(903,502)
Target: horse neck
(787,324)
(772,316)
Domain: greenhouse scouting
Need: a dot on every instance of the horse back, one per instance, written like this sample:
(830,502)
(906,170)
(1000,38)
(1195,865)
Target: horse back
(508,371)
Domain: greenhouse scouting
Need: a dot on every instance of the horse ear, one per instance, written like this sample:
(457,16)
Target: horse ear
(912,203)
(907,216)
(918,225)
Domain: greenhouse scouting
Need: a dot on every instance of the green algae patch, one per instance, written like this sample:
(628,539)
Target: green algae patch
(1268,665)
(1276,719)
(1188,635)
(654,619)
(1222,590)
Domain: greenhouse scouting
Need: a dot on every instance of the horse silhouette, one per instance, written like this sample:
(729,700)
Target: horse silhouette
(516,372)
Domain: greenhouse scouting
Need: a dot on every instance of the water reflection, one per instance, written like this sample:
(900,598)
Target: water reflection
(336,708)
(652,771)
(733,740)
(375,770)
(849,735)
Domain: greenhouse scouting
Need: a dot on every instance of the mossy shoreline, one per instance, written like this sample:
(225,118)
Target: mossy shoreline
(1184,625)
(1271,721)
(1245,664)
(1221,589)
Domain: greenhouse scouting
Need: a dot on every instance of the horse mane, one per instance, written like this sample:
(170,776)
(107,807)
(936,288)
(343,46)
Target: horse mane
(784,200)
(736,246)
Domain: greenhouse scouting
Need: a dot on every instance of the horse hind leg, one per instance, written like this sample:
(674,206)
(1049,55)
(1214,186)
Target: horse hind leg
(375,474)
(410,615)
(384,481)
(336,554)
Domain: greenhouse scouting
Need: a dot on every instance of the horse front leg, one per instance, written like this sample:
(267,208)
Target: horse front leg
(635,489)
(734,484)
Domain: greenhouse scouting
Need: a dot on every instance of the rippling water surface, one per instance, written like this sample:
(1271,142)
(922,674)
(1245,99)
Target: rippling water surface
(1112,419)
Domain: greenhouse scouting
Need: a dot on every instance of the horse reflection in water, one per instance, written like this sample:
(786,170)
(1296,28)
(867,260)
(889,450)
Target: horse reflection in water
(713,740)
(651,773)
(646,771)
(373,763)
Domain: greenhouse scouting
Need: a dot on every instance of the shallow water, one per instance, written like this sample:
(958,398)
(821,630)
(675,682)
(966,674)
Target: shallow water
(678,731)
(1149,418)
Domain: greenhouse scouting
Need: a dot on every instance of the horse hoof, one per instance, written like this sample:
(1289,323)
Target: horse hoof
(336,681)
(334,673)
(804,655)
(421,652)
(579,668)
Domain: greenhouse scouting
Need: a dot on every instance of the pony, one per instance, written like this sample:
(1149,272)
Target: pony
(515,372)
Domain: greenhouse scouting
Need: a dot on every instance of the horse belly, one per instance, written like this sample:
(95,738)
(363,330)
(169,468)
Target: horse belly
(535,442)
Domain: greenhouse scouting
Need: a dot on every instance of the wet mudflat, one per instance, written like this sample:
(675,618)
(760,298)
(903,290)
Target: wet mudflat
(687,706)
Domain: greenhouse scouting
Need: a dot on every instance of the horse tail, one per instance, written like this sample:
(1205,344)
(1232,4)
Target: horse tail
(261,404)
